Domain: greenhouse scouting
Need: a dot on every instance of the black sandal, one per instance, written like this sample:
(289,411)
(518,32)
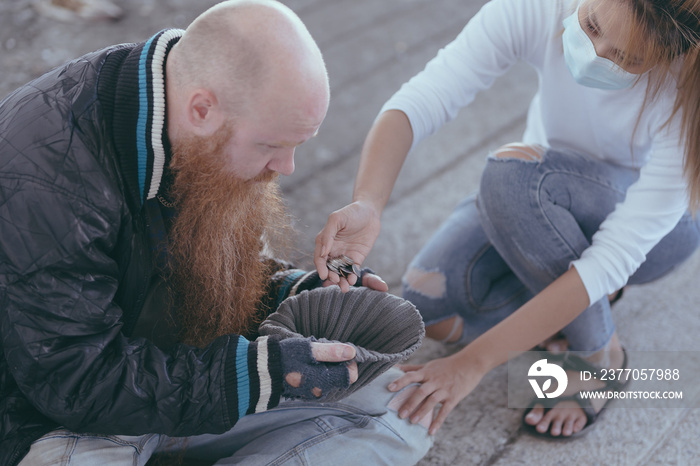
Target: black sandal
(576,364)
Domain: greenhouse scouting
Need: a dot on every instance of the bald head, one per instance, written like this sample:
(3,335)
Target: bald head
(249,71)
(240,48)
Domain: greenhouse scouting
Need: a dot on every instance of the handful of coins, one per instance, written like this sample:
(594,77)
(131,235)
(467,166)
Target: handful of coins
(343,266)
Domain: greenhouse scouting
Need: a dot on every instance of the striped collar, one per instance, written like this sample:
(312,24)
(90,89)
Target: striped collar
(132,89)
(151,136)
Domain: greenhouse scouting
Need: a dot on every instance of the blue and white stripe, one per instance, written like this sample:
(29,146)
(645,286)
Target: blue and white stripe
(264,376)
(152,104)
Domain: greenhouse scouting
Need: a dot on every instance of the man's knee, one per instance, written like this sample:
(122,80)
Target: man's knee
(396,440)
(62,446)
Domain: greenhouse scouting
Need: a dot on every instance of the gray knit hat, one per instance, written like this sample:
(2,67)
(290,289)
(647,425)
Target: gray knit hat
(383,328)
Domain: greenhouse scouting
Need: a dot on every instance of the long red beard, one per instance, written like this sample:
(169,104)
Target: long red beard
(217,277)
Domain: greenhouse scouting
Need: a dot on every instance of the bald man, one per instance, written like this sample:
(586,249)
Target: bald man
(137,193)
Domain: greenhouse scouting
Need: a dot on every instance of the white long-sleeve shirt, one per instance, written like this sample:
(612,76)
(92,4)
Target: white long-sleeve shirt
(564,115)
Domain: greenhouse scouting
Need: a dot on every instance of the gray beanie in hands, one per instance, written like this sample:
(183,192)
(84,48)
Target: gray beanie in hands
(383,328)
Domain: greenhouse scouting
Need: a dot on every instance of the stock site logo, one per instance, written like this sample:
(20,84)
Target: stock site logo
(541,369)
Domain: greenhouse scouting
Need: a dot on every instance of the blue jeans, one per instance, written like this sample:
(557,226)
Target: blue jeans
(360,429)
(482,264)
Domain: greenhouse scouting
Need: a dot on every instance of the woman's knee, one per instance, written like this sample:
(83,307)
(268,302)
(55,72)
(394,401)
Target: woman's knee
(428,284)
(505,180)
(519,150)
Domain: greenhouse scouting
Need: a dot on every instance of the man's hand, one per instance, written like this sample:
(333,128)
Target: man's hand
(306,373)
(336,352)
(444,381)
(374,281)
(350,231)
(369,280)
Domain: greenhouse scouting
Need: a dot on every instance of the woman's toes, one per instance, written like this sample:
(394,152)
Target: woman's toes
(556,427)
(535,414)
(580,423)
(561,420)
(543,426)
(545,422)
(568,428)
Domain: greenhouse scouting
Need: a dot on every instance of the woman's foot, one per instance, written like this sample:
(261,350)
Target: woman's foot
(567,417)
(555,344)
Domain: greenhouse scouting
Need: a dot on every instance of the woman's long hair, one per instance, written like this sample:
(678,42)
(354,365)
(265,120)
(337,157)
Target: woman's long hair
(665,34)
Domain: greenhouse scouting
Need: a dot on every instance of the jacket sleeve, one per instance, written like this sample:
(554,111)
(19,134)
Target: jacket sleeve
(62,339)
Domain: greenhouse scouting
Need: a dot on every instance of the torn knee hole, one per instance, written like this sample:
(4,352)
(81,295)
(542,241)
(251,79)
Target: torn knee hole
(533,152)
(430,284)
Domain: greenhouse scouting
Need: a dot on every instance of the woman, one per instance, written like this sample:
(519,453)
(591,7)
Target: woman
(592,199)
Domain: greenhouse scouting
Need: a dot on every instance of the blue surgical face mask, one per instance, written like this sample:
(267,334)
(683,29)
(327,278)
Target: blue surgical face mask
(587,68)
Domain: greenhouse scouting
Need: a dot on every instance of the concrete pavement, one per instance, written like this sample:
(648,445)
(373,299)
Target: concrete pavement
(371,48)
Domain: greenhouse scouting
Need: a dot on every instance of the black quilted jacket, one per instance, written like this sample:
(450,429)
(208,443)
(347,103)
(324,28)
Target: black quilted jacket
(77,166)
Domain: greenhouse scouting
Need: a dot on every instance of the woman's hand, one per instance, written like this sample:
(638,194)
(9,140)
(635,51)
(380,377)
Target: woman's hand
(349,231)
(443,381)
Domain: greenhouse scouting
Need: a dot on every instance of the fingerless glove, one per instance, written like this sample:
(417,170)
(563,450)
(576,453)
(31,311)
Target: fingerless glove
(296,356)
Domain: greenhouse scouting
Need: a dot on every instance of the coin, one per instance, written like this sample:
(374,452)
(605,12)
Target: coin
(343,266)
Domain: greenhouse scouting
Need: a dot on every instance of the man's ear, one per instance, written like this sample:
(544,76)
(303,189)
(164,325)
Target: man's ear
(204,112)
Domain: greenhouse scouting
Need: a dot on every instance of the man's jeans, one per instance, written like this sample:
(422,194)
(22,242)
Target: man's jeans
(357,430)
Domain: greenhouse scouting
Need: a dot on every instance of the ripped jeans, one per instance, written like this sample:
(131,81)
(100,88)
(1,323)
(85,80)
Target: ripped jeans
(459,272)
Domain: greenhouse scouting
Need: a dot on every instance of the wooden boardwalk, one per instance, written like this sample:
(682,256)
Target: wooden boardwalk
(371,47)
